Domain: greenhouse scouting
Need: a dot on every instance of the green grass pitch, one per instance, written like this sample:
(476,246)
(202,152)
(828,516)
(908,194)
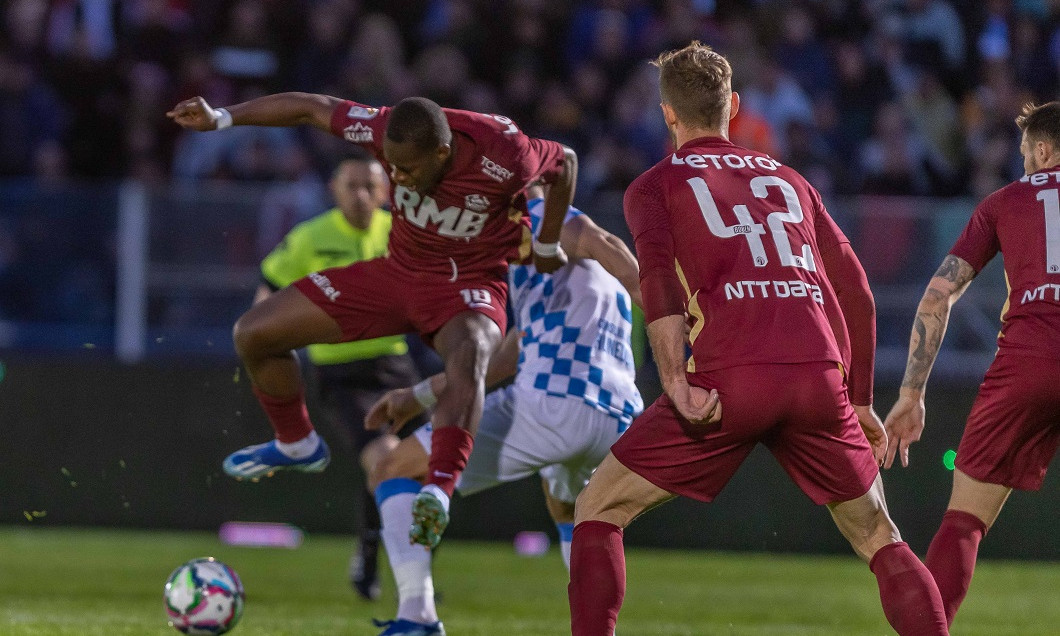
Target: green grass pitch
(81,582)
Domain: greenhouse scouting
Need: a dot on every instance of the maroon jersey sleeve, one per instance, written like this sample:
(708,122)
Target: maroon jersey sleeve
(361,124)
(856,331)
(537,159)
(649,223)
(851,286)
(978,243)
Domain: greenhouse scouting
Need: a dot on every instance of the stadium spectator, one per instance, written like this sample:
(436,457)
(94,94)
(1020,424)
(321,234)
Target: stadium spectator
(773,93)
(1013,429)
(572,396)
(457,188)
(734,287)
(350,376)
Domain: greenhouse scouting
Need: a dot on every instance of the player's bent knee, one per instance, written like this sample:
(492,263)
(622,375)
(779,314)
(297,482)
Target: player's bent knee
(616,495)
(373,452)
(251,336)
(407,460)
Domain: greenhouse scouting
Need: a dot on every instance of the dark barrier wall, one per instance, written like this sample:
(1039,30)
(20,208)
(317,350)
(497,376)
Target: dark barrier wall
(86,441)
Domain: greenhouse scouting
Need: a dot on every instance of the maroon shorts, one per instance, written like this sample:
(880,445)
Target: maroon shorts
(799,411)
(1014,427)
(377,298)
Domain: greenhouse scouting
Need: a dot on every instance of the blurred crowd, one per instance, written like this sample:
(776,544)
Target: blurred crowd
(883,97)
(909,97)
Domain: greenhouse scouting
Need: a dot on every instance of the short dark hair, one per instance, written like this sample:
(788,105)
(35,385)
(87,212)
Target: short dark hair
(696,82)
(355,154)
(420,121)
(1041,123)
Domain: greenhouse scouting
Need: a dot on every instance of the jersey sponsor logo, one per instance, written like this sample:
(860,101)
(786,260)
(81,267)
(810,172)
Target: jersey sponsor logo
(773,288)
(494,170)
(324,283)
(1042,293)
(729,161)
(477,298)
(362,112)
(452,221)
(476,202)
(358,133)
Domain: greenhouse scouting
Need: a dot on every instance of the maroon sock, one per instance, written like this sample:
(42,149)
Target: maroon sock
(288,416)
(597,579)
(910,599)
(951,556)
(450,448)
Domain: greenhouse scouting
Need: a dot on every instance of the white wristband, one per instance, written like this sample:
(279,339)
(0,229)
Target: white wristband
(222,118)
(424,394)
(546,250)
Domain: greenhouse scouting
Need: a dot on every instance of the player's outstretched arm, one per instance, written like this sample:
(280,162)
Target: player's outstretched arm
(397,406)
(281,109)
(583,238)
(391,412)
(905,422)
(548,255)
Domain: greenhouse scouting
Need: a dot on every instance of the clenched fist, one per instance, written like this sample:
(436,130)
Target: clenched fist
(195,114)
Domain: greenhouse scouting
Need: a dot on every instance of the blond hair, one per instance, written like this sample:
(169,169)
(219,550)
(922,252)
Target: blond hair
(1041,123)
(696,82)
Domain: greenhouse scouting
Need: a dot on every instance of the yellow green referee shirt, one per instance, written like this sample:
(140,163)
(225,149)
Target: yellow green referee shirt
(324,241)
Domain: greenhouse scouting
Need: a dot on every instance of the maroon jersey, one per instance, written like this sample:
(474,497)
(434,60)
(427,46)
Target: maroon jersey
(1022,221)
(734,237)
(475,219)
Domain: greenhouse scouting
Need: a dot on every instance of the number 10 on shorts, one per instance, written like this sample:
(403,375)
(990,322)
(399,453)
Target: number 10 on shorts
(476,298)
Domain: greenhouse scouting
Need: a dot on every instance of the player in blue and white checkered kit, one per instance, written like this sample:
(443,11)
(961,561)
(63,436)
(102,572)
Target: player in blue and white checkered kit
(572,396)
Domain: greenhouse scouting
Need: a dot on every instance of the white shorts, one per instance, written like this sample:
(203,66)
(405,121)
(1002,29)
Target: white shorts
(524,432)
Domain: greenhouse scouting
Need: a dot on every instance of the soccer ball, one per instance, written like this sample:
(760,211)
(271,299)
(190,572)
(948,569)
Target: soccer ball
(204,596)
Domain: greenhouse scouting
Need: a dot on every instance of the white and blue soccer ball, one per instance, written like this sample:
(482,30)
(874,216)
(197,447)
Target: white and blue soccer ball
(204,596)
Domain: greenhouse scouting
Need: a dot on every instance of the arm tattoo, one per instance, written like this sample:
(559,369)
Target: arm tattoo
(928,328)
(955,271)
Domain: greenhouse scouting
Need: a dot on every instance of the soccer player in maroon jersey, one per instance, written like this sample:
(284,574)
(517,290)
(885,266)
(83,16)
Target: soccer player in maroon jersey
(1014,427)
(459,216)
(746,247)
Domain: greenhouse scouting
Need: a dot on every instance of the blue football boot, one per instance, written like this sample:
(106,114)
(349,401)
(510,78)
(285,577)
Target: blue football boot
(262,460)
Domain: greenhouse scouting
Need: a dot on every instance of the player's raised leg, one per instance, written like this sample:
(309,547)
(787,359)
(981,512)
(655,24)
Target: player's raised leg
(910,598)
(973,509)
(613,498)
(265,338)
(397,478)
(465,342)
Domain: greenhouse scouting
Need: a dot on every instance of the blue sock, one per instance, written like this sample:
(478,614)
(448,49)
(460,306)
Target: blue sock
(566,535)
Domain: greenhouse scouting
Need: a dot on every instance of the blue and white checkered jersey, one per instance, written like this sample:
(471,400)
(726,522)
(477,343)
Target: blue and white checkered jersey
(575,326)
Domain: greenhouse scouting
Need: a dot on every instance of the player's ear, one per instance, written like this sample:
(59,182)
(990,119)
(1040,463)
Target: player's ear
(1042,151)
(668,115)
(443,152)
(734,105)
